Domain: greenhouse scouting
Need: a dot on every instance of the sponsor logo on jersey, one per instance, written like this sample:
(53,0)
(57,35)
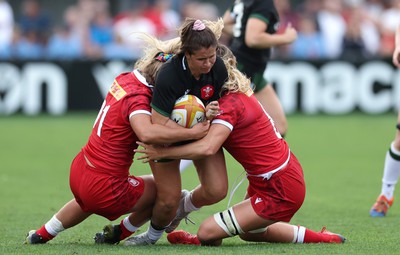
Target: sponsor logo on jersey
(133,182)
(207,91)
(117,91)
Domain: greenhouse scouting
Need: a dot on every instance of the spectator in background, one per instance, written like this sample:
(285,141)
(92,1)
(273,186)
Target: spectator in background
(67,40)
(34,22)
(64,44)
(6,27)
(133,21)
(374,9)
(80,16)
(361,39)
(91,23)
(8,51)
(101,25)
(353,45)
(389,21)
(287,16)
(200,10)
(310,43)
(332,26)
(27,45)
(165,19)
(118,49)
(34,28)
(312,7)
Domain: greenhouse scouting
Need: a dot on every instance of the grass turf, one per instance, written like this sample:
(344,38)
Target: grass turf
(342,158)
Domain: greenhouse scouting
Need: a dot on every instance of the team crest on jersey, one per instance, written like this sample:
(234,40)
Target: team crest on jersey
(133,182)
(117,91)
(207,92)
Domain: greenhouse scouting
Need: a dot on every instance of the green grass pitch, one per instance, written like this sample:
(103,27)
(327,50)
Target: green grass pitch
(342,157)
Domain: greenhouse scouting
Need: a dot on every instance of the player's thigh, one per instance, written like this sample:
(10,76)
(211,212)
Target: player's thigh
(234,221)
(210,231)
(167,179)
(247,218)
(71,214)
(148,197)
(212,173)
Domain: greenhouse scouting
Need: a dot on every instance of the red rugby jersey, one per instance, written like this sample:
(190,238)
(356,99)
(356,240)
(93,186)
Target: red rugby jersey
(112,141)
(254,141)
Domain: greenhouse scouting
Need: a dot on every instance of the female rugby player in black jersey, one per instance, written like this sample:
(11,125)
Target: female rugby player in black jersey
(198,71)
(252,27)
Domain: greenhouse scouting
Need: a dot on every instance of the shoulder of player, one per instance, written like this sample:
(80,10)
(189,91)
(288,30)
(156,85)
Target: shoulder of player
(263,4)
(219,70)
(171,72)
(219,64)
(262,9)
(232,98)
(171,69)
(133,82)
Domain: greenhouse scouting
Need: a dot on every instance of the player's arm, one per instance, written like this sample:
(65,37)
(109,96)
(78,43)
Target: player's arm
(212,110)
(158,118)
(229,22)
(150,132)
(396,52)
(257,38)
(204,147)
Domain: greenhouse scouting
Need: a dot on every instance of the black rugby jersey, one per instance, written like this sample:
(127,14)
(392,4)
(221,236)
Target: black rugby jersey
(242,10)
(174,80)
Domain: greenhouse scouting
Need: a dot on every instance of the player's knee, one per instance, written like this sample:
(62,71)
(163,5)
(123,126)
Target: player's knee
(249,236)
(216,193)
(227,221)
(396,143)
(245,237)
(206,234)
(169,204)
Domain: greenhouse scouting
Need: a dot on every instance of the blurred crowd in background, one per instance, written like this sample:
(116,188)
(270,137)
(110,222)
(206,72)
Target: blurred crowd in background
(327,29)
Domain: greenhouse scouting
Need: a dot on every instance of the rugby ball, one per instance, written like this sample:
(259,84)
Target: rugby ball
(188,111)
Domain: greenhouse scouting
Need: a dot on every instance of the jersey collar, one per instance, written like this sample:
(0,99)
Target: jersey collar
(141,78)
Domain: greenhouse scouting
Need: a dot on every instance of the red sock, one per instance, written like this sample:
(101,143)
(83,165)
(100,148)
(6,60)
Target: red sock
(313,237)
(44,234)
(125,232)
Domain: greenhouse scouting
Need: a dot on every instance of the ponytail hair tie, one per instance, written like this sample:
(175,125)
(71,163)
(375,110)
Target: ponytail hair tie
(163,57)
(198,25)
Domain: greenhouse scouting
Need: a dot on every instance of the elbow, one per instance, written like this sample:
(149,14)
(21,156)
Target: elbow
(208,150)
(255,42)
(251,43)
(147,137)
(252,40)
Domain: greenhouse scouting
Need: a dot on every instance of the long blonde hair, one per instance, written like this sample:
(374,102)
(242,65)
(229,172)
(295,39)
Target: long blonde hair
(237,81)
(148,64)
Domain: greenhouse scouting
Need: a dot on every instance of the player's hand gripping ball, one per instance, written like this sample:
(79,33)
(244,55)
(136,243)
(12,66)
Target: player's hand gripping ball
(188,111)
